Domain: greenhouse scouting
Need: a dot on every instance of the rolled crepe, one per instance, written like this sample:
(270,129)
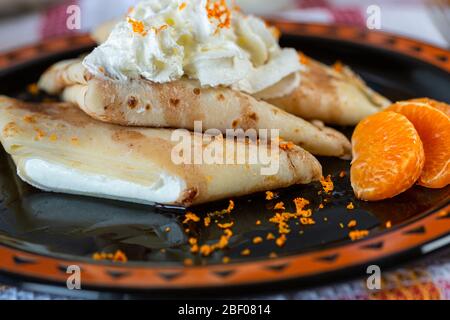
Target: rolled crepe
(334,96)
(180,103)
(57,147)
(324,93)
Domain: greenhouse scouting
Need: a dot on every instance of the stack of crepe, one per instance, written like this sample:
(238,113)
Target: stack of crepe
(112,137)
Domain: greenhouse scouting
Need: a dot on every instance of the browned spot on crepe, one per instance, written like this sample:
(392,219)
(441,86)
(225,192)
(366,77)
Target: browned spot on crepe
(126,135)
(188,196)
(174,102)
(132,102)
(180,111)
(248,118)
(10,129)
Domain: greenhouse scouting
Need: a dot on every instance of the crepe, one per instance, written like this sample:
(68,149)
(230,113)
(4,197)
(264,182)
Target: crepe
(180,103)
(332,95)
(57,147)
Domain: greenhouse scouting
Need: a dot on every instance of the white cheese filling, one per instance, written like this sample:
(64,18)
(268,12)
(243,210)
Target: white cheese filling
(55,177)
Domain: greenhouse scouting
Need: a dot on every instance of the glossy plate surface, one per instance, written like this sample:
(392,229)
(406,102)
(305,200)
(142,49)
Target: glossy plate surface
(42,233)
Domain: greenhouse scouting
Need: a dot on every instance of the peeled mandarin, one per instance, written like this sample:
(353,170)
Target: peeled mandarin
(433,126)
(388,156)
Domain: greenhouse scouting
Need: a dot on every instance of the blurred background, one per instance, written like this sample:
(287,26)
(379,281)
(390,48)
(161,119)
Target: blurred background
(27,21)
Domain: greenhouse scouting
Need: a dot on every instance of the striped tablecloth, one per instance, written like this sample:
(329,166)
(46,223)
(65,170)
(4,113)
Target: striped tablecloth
(407,17)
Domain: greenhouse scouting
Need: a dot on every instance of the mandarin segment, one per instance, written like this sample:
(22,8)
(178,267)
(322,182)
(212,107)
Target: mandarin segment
(433,127)
(442,106)
(388,156)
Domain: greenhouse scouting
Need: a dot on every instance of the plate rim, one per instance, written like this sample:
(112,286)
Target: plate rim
(434,225)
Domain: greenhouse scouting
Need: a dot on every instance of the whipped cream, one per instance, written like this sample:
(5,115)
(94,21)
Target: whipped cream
(164,40)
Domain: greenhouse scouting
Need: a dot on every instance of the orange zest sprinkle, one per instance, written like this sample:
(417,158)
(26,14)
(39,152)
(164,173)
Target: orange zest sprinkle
(441,214)
(226,260)
(138,26)
(327,184)
(207,221)
(270,236)
(193,244)
(350,206)
(219,11)
(287,145)
(279,206)
(257,240)
(245,252)
(273,255)
(281,220)
(300,203)
(230,206)
(388,224)
(338,66)
(321,206)
(224,211)
(188,262)
(341,225)
(342,174)
(206,250)
(33,89)
(351,224)
(303,58)
(281,240)
(269,195)
(190,216)
(307,221)
(225,225)
(358,234)
(258,222)
(118,256)
(182,6)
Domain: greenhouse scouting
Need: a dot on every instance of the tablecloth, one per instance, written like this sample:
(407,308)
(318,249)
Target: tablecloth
(427,278)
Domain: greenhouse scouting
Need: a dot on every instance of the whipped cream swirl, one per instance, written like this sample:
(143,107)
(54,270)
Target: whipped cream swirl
(164,40)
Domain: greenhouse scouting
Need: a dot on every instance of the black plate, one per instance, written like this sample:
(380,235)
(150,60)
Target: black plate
(75,227)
